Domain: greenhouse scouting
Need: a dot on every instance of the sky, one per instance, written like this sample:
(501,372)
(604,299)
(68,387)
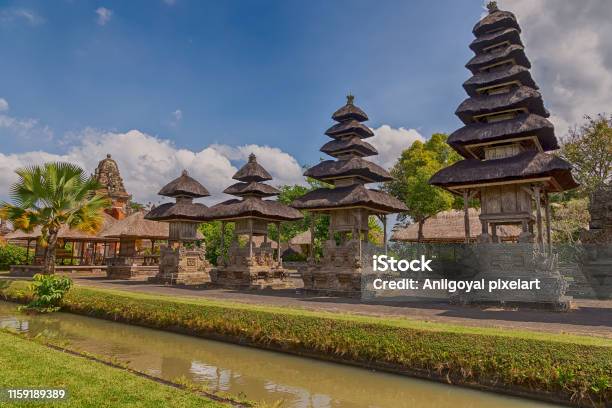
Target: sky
(164,85)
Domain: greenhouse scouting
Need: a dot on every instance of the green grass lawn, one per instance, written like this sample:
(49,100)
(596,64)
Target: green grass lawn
(27,364)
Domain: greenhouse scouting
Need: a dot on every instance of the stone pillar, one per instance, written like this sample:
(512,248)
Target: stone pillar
(223,242)
(250,238)
(538,198)
(278,245)
(384,220)
(547,214)
(466,215)
(311,255)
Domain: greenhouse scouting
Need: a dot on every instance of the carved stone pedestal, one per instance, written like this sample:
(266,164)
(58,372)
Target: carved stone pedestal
(182,266)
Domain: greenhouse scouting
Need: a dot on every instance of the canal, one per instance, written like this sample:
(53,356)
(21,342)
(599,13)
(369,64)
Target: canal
(256,374)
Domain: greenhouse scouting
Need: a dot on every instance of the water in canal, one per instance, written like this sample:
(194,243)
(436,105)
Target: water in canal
(258,375)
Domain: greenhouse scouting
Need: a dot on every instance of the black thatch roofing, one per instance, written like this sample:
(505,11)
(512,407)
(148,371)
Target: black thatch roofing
(522,125)
(349,127)
(352,144)
(528,164)
(514,52)
(512,35)
(355,166)
(252,188)
(252,207)
(184,186)
(518,97)
(177,211)
(252,171)
(507,74)
(349,196)
(349,111)
(495,20)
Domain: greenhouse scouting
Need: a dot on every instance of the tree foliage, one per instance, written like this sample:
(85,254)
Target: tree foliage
(588,148)
(11,255)
(411,174)
(52,196)
(212,238)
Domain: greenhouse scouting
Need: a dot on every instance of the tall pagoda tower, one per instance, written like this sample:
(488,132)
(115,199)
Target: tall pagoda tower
(506,137)
(254,264)
(348,203)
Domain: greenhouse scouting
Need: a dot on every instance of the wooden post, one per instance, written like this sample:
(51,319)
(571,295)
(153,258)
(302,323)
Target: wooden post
(538,198)
(312,236)
(359,231)
(547,213)
(223,241)
(28,252)
(466,215)
(384,221)
(278,245)
(250,238)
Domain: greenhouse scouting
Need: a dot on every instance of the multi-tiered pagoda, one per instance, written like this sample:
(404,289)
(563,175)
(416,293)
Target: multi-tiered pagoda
(251,265)
(183,260)
(505,142)
(506,136)
(348,203)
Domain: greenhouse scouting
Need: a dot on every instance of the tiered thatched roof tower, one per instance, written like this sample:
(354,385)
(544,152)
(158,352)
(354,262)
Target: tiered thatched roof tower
(506,135)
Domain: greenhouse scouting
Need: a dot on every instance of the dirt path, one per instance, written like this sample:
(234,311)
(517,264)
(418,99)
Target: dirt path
(589,317)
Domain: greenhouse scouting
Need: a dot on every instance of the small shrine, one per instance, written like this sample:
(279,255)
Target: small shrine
(252,264)
(107,174)
(183,259)
(505,141)
(348,203)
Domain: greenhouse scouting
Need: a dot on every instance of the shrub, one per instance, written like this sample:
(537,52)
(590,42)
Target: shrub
(48,291)
(11,255)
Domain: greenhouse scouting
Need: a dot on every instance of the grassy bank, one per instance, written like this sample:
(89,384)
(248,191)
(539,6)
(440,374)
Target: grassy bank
(26,364)
(554,367)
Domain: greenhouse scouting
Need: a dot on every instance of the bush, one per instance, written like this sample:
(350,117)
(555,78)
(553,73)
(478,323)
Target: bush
(48,291)
(11,255)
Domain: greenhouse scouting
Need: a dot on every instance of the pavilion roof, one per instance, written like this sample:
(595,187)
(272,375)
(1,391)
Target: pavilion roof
(185,186)
(136,226)
(355,195)
(66,233)
(350,111)
(449,227)
(511,35)
(353,167)
(252,188)
(188,211)
(348,128)
(527,164)
(352,144)
(507,74)
(252,171)
(512,51)
(252,207)
(495,20)
(519,97)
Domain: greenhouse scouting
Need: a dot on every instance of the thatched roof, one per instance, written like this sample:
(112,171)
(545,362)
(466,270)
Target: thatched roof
(495,20)
(355,195)
(184,186)
(512,35)
(522,125)
(302,238)
(349,127)
(449,227)
(349,111)
(252,188)
(518,97)
(508,74)
(252,171)
(355,166)
(352,144)
(68,234)
(527,164)
(512,51)
(251,207)
(136,226)
(177,211)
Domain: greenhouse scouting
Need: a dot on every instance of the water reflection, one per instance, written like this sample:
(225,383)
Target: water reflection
(257,374)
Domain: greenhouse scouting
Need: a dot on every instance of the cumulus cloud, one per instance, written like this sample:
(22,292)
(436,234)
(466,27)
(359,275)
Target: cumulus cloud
(568,45)
(104,15)
(10,15)
(391,142)
(147,162)
(23,128)
(4,106)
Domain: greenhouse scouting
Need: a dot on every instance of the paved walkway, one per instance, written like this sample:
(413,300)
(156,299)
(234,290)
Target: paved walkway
(589,317)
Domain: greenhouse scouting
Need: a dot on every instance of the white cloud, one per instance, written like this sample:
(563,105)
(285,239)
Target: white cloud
(391,142)
(10,15)
(104,15)
(178,115)
(4,106)
(569,48)
(23,128)
(147,162)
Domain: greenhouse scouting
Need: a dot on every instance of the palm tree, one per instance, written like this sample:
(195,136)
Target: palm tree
(52,196)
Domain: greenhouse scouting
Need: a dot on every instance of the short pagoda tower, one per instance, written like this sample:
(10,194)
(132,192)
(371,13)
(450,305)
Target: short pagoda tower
(183,260)
(252,265)
(348,203)
(108,175)
(505,140)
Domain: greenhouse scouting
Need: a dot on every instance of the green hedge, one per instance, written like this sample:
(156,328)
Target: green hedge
(563,370)
(11,255)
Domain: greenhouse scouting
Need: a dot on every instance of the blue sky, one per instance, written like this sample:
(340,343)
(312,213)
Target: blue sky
(170,84)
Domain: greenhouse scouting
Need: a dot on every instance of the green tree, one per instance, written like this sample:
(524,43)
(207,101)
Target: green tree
(411,174)
(52,196)
(589,150)
(212,238)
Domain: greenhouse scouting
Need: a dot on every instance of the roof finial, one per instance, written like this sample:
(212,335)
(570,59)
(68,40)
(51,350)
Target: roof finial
(252,158)
(108,155)
(185,172)
(350,98)
(492,6)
